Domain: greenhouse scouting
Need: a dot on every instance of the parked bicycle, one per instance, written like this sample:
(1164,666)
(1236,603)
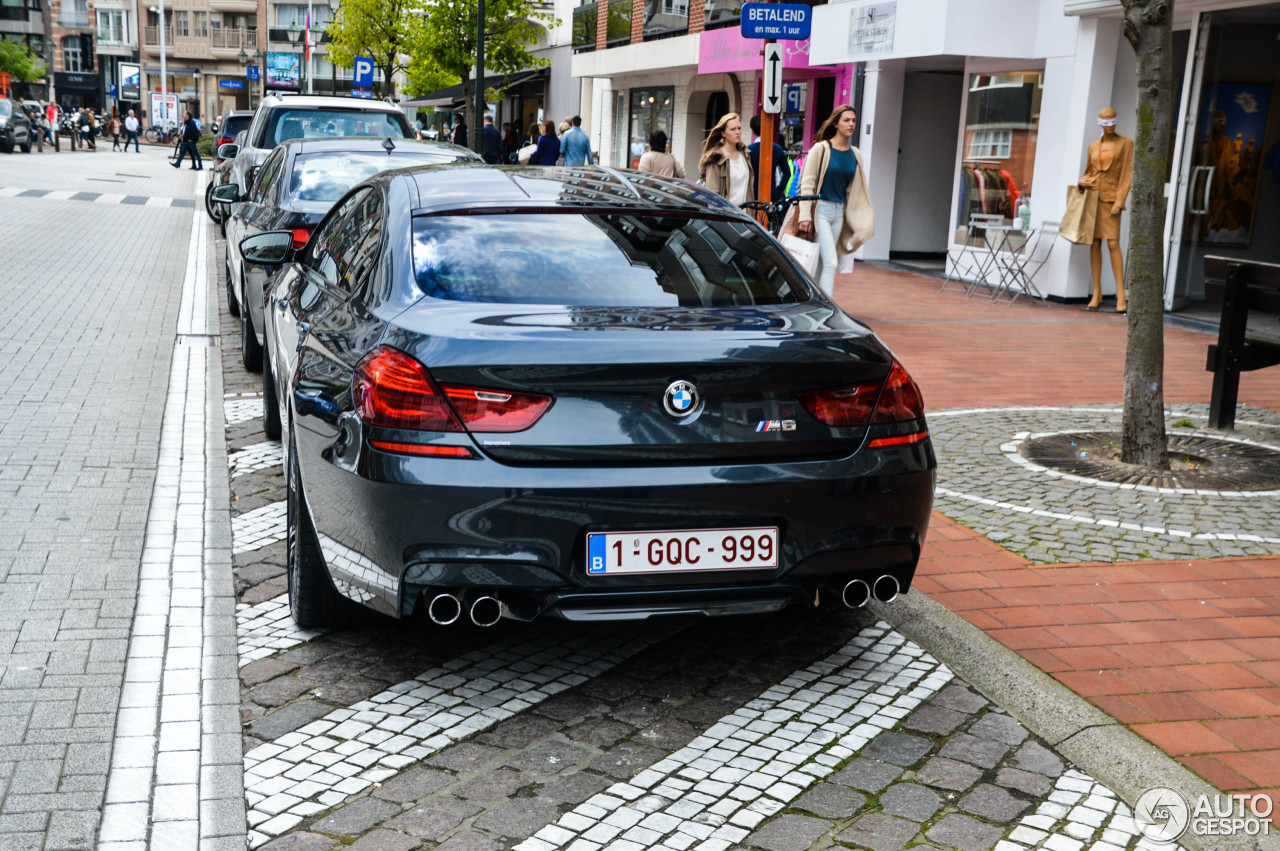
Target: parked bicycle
(775,212)
(156,133)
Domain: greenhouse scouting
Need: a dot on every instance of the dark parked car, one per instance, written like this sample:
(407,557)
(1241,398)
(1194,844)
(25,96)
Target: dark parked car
(15,127)
(596,394)
(227,133)
(293,190)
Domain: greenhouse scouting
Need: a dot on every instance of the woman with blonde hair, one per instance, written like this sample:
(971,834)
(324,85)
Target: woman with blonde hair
(842,218)
(726,162)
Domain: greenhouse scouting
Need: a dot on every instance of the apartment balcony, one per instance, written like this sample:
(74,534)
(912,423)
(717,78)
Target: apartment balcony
(280,35)
(227,42)
(151,39)
(73,19)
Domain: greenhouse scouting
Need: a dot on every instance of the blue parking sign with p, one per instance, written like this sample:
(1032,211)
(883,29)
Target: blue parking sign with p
(363,77)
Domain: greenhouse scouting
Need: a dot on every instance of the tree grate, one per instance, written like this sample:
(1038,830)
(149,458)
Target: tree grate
(1196,462)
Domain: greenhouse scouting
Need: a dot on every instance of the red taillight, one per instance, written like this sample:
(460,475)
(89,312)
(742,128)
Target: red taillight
(898,440)
(897,400)
(300,237)
(901,399)
(425,449)
(842,406)
(393,390)
(222,140)
(496,411)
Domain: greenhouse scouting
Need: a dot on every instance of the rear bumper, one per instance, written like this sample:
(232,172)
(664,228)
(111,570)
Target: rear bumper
(392,527)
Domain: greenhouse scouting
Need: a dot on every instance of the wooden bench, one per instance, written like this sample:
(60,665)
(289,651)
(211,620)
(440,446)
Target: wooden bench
(1241,286)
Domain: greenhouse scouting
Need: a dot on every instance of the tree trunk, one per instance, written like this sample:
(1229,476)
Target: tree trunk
(1148,27)
(469,105)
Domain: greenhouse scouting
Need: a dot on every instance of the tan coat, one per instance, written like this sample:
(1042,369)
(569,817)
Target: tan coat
(1111,175)
(859,217)
(715,165)
(661,164)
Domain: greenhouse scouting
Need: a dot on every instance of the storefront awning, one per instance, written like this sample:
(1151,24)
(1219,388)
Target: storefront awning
(452,96)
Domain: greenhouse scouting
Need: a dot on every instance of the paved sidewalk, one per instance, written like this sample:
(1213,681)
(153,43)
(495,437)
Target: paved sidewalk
(1156,628)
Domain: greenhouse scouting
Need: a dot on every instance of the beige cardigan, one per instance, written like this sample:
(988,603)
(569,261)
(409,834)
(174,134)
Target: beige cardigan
(859,217)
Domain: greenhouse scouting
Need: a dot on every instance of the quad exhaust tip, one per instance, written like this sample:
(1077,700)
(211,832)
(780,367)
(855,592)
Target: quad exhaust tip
(444,609)
(486,611)
(886,589)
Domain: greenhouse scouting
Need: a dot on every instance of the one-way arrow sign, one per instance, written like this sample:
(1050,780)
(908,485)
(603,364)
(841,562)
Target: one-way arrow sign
(773,78)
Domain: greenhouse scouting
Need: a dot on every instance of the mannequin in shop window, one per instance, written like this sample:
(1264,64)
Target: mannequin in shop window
(1110,171)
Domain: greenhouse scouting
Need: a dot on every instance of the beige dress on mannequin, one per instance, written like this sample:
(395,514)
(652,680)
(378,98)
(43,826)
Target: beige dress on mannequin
(1110,171)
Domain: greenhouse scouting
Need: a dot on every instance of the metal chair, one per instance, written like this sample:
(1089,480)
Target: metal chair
(975,239)
(1021,259)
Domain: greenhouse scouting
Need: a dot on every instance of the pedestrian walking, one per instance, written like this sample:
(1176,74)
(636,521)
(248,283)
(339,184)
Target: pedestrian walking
(86,129)
(509,143)
(535,132)
(726,163)
(492,142)
(576,144)
(51,127)
(190,136)
(657,161)
(548,145)
(459,136)
(131,132)
(115,133)
(843,218)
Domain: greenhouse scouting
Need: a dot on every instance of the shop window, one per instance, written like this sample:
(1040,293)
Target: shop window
(651,109)
(1002,124)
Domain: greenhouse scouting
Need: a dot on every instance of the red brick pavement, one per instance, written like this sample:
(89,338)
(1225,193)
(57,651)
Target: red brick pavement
(1187,654)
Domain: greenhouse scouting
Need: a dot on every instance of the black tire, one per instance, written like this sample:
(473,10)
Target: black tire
(214,210)
(313,601)
(26,148)
(233,303)
(6,144)
(270,404)
(250,351)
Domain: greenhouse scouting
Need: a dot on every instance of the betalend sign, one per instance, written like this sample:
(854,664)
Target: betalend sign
(775,20)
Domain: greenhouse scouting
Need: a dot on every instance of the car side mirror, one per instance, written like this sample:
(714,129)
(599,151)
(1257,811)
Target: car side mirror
(228,151)
(226,193)
(272,248)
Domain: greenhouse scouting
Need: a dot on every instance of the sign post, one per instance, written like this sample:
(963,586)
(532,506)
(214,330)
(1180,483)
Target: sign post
(772,21)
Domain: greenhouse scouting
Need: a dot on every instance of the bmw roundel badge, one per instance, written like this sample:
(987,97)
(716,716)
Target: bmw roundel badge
(680,399)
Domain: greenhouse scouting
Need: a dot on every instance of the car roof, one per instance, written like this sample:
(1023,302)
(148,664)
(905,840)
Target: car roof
(238,113)
(305,101)
(463,186)
(370,144)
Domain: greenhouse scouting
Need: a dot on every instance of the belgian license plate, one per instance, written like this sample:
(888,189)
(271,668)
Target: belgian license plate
(610,553)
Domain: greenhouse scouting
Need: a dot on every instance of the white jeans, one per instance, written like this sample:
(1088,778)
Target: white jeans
(828,221)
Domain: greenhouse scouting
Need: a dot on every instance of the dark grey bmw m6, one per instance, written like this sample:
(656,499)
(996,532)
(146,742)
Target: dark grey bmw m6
(580,392)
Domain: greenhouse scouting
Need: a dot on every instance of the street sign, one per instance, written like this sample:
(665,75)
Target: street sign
(773,78)
(231,84)
(251,73)
(795,99)
(776,20)
(112,93)
(363,76)
(361,93)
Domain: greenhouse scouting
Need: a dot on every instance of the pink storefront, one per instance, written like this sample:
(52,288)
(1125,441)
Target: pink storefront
(810,91)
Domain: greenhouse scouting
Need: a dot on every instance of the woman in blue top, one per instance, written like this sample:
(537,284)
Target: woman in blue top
(842,219)
(548,145)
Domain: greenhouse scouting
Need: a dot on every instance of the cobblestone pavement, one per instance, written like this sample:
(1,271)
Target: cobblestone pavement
(85,347)
(772,733)
(1049,517)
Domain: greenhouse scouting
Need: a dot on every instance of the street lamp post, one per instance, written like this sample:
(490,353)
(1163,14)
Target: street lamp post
(244,59)
(477,132)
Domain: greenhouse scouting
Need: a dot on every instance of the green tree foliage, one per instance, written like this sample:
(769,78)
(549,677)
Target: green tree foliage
(383,30)
(18,63)
(1148,25)
(445,49)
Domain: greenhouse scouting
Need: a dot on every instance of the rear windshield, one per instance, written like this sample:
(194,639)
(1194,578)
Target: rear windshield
(4,107)
(286,124)
(232,126)
(326,176)
(601,259)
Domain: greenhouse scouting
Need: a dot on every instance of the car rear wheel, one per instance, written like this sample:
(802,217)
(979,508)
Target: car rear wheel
(233,304)
(6,144)
(214,210)
(270,403)
(26,146)
(250,351)
(313,601)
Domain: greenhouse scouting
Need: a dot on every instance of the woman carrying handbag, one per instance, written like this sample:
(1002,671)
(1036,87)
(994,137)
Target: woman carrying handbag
(842,218)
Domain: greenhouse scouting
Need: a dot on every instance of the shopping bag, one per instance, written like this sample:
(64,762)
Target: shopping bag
(526,153)
(1082,212)
(845,265)
(804,252)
